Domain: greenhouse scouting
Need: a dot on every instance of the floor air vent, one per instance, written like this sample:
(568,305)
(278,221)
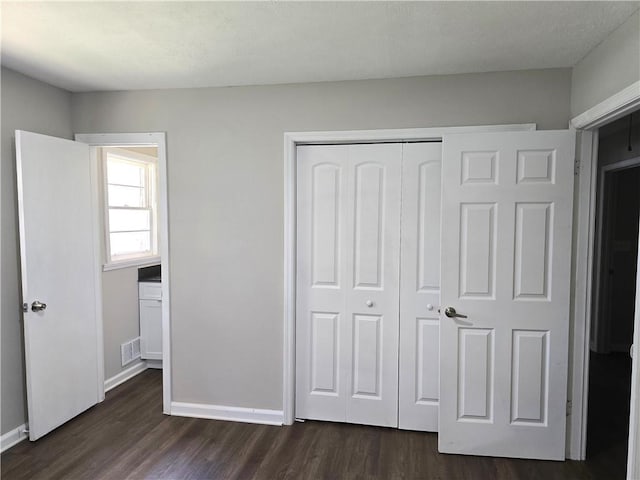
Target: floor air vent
(130,351)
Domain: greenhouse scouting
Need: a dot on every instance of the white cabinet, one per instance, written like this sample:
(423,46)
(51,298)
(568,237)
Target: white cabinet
(150,298)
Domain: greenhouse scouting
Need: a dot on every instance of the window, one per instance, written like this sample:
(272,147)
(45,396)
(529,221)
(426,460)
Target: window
(130,187)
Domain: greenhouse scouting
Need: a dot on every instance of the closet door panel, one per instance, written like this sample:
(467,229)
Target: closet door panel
(420,287)
(372,304)
(321,357)
(348,240)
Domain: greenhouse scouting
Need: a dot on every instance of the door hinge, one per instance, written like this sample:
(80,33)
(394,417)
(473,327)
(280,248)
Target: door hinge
(576,167)
(568,407)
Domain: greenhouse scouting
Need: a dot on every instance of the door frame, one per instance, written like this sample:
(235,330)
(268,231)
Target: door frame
(291,141)
(587,125)
(602,209)
(151,139)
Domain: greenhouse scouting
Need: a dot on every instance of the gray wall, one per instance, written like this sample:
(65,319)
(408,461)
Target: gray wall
(27,104)
(119,316)
(225,174)
(610,67)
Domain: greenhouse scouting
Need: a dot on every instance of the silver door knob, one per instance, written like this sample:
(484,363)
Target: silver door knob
(38,306)
(451,313)
(369,303)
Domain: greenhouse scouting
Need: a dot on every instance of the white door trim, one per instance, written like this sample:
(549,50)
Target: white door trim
(618,105)
(582,252)
(158,139)
(291,140)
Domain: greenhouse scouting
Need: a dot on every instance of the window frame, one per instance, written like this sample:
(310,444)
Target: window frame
(151,192)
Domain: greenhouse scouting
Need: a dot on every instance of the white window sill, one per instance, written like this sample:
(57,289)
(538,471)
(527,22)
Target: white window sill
(134,262)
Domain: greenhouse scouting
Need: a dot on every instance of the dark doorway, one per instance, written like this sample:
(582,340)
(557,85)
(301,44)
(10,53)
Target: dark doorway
(612,331)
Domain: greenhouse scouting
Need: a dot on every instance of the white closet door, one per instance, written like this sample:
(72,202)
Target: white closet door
(420,287)
(347,283)
(506,243)
(321,317)
(373,246)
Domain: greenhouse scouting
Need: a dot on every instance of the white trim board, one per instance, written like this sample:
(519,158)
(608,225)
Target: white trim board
(155,364)
(582,252)
(291,140)
(614,107)
(223,412)
(158,139)
(128,374)
(13,437)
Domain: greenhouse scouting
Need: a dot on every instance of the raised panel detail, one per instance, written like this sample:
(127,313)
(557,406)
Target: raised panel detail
(325,224)
(324,353)
(532,260)
(367,355)
(477,250)
(429,227)
(368,224)
(476,359)
(427,360)
(530,377)
(479,167)
(536,166)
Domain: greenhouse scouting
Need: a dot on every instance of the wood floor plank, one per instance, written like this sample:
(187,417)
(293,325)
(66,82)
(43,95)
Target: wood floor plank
(128,437)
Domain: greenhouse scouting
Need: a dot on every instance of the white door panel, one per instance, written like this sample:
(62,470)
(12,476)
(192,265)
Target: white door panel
(59,263)
(347,283)
(420,287)
(321,283)
(506,238)
(372,303)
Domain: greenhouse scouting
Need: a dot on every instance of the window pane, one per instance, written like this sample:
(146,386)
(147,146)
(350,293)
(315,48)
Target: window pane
(127,220)
(126,196)
(125,173)
(130,242)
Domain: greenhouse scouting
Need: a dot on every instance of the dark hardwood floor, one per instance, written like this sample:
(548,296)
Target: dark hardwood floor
(127,437)
(608,416)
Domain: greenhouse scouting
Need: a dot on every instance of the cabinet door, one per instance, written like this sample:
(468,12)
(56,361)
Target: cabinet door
(151,329)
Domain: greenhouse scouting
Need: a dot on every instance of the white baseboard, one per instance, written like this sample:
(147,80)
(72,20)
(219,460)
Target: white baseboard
(157,364)
(222,412)
(125,375)
(13,437)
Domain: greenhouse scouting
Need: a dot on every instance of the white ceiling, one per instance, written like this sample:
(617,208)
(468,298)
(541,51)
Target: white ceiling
(90,46)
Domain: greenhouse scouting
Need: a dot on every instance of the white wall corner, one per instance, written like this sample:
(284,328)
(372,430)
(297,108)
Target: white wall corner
(125,375)
(13,437)
(223,412)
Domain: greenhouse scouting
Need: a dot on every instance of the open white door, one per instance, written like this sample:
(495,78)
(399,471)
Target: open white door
(506,242)
(58,253)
